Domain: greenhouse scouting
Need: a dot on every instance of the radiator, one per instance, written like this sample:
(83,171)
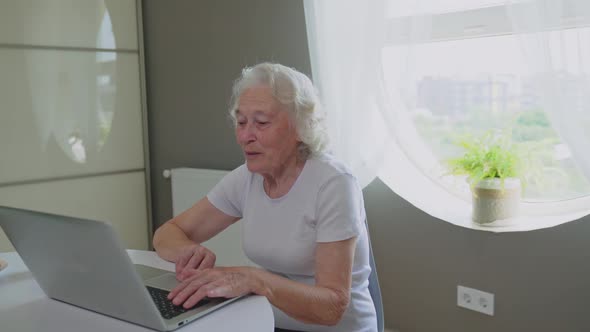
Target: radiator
(188,186)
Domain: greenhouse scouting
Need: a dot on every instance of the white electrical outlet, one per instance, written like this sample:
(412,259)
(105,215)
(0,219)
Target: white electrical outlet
(474,299)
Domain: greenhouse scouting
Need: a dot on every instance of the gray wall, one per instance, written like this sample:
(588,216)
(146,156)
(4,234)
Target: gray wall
(194,50)
(541,279)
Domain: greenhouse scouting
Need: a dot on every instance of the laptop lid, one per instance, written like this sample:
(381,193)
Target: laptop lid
(81,262)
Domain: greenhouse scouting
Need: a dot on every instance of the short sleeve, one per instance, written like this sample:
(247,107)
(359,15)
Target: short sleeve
(340,211)
(229,194)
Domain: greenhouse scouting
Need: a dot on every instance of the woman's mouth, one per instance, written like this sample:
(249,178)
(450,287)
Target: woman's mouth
(251,154)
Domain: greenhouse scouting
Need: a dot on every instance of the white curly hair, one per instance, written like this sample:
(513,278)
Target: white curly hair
(294,90)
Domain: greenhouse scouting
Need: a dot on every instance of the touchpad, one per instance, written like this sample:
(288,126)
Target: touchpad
(166,281)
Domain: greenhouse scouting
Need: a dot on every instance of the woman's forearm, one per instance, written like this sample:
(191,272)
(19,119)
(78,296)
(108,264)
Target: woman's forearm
(169,240)
(306,303)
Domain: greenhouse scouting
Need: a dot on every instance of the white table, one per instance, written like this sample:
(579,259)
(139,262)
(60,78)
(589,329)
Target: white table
(24,306)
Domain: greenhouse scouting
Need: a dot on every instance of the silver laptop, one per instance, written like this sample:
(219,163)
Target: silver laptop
(82,262)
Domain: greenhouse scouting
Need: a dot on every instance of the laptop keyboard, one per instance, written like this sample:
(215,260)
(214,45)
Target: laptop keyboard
(166,307)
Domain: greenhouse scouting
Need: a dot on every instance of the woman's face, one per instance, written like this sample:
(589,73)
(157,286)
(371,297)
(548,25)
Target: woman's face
(264,131)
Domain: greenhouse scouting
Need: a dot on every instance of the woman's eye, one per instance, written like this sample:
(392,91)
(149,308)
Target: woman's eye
(262,122)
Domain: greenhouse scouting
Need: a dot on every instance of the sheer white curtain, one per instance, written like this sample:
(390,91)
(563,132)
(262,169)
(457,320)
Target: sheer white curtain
(555,38)
(370,128)
(345,40)
(369,59)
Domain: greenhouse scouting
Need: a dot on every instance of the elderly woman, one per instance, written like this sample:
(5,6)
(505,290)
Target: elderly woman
(302,213)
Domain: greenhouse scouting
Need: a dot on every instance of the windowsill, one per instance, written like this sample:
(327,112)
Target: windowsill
(411,184)
(522,223)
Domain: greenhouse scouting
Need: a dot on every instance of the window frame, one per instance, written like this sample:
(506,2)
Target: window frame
(488,21)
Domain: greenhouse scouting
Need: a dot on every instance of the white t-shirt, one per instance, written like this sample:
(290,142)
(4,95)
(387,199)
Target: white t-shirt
(325,204)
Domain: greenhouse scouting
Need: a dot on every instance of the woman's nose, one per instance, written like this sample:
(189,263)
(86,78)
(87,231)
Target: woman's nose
(246,133)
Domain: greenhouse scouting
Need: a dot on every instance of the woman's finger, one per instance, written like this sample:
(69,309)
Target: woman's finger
(182,260)
(181,285)
(177,289)
(190,267)
(188,291)
(208,261)
(195,298)
(195,260)
(217,282)
(191,285)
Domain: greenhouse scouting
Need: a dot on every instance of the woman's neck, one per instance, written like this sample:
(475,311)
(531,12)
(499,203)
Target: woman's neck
(280,182)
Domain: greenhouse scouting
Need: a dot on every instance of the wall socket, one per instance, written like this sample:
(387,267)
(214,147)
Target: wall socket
(476,300)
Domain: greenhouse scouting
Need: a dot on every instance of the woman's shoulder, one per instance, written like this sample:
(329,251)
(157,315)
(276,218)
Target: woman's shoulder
(242,169)
(239,175)
(326,166)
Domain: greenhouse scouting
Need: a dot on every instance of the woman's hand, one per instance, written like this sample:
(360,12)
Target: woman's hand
(225,282)
(193,258)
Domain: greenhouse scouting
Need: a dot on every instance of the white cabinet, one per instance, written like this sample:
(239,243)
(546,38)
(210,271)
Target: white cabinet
(71,121)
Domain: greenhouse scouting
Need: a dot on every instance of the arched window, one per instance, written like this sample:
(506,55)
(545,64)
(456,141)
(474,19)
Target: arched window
(404,78)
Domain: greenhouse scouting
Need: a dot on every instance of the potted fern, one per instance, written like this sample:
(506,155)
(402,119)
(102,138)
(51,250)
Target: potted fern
(493,165)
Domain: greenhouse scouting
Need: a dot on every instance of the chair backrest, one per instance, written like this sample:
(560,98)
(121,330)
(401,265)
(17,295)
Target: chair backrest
(374,288)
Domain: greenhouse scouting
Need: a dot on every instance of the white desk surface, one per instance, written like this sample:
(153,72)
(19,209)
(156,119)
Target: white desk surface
(24,306)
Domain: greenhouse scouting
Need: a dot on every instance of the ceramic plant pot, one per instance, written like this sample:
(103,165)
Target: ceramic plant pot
(494,200)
